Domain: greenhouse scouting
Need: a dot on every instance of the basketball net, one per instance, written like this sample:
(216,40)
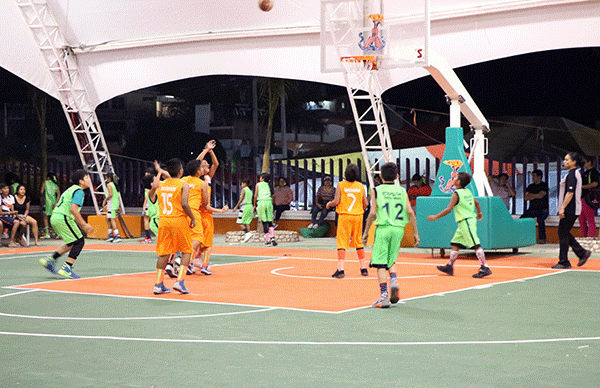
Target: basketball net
(358,71)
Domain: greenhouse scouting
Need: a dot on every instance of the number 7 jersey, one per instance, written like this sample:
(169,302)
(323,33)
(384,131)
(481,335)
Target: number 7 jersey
(169,198)
(351,198)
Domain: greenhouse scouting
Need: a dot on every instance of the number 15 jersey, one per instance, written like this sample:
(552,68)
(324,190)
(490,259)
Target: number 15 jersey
(391,205)
(351,198)
(169,198)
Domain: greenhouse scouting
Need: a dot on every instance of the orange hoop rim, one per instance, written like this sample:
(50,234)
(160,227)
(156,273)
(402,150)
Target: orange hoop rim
(361,59)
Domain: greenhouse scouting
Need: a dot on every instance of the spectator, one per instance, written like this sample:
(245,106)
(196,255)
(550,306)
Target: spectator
(22,202)
(501,188)
(282,197)
(319,211)
(8,213)
(537,195)
(589,179)
(419,188)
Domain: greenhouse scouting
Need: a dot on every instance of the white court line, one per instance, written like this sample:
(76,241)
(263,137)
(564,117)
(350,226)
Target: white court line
(17,293)
(275,272)
(134,318)
(308,343)
(483,286)
(158,298)
(26,256)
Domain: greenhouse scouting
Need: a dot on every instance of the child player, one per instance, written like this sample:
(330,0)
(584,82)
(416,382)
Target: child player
(66,221)
(150,172)
(263,203)
(465,237)
(198,196)
(247,211)
(391,211)
(206,211)
(349,202)
(112,206)
(173,226)
(51,193)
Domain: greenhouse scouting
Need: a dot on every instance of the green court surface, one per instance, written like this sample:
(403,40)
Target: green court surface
(541,331)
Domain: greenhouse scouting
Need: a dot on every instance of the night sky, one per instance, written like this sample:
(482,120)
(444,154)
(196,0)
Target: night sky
(555,83)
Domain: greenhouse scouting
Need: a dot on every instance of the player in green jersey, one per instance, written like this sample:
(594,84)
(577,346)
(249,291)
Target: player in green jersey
(465,237)
(112,206)
(246,211)
(263,203)
(391,211)
(66,221)
(51,193)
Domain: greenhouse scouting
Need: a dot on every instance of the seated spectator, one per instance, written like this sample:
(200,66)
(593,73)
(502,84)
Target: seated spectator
(282,197)
(419,188)
(537,195)
(22,202)
(319,211)
(501,188)
(8,213)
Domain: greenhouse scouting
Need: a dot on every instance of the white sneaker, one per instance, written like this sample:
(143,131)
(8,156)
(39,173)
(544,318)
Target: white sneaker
(247,237)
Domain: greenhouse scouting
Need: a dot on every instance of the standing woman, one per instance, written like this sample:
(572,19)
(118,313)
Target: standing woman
(569,208)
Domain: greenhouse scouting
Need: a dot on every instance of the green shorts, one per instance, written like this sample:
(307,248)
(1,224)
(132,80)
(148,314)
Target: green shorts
(466,234)
(111,210)
(247,215)
(49,208)
(264,210)
(154,225)
(66,228)
(386,246)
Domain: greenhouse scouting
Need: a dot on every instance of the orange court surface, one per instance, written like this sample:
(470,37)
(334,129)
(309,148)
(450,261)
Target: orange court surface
(301,279)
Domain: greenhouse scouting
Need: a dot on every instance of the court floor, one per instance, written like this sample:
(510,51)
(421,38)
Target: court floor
(274,317)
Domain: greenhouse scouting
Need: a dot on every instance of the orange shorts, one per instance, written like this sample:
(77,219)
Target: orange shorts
(198,231)
(209,229)
(349,231)
(174,235)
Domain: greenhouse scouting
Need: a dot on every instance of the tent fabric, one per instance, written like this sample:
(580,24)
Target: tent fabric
(123,46)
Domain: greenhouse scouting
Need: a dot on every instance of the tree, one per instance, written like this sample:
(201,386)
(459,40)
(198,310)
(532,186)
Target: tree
(272,91)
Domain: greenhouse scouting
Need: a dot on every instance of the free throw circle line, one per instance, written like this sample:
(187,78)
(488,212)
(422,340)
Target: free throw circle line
(276,272)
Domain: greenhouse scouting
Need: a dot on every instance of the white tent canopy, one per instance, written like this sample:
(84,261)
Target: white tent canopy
(123,46)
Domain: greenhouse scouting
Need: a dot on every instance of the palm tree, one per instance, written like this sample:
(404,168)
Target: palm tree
(272,91)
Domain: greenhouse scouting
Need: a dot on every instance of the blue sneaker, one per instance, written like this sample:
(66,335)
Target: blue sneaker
(179,286)
(161,289)
(48,263)
(117,239)
(67,272)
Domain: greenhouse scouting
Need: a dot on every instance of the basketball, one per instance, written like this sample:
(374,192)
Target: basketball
(265,5)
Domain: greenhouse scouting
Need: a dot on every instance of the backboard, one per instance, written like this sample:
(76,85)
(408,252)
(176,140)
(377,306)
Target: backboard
(388,29)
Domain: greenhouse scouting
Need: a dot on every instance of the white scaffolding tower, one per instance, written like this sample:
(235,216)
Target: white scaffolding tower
(62,65)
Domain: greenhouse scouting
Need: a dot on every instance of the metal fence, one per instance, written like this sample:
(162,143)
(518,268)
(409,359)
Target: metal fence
(304,177)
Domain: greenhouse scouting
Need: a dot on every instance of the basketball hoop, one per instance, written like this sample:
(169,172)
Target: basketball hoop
(358,64)
(358,68)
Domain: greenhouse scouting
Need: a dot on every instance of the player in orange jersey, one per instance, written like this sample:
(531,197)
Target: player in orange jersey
(198,197)
(174,232)
(350,202)
(206,210)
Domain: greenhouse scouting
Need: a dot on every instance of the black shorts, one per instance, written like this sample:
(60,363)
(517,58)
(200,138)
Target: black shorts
(7,221)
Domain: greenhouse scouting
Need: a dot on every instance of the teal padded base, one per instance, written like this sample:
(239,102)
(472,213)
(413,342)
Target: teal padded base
(497,230)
